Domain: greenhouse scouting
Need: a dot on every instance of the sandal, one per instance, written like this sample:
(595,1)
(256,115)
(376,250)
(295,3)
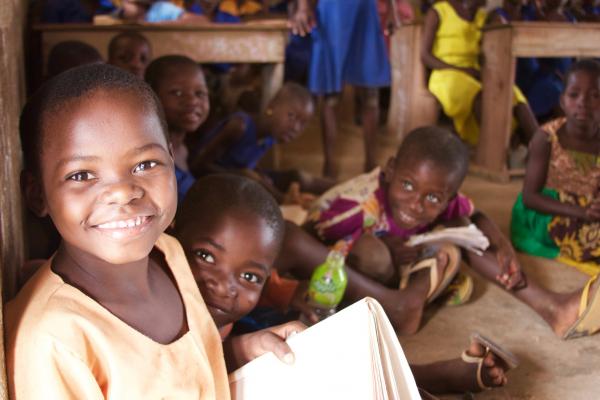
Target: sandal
(459,291)
(506,356)
(437,283)
(588,317)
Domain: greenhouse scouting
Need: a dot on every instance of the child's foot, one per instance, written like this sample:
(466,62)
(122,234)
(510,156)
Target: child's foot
(405,307)
(473,372)
(566,309)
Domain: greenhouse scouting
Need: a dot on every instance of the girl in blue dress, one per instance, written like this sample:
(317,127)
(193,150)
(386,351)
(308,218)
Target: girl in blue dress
(347,47)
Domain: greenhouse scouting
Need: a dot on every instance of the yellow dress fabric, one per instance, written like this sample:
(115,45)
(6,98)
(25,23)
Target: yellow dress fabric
(61,344)
(457,42)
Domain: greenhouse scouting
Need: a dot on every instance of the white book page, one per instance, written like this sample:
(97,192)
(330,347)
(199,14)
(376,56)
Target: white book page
(338,358)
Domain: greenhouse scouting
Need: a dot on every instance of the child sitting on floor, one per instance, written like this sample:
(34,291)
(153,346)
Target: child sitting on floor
(231,235)
(210,225)
(180,85)
(558,212)
(417,191)
(116,306)
(240,141)
(451,48)
(130,51)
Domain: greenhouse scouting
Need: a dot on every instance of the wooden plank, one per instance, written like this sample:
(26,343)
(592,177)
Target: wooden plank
(498,76)
(12,86)
(411,104)
(217,45)
(556,39)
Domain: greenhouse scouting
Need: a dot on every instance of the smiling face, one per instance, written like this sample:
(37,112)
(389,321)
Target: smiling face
(231,256)
(184,96)
(107,177)
(418,191)
(131,54)
(290,118)
(581,98)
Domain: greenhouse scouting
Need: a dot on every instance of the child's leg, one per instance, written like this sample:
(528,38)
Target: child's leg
(559,310)
(301,253)
(370,256)
(370,122)
(329,129)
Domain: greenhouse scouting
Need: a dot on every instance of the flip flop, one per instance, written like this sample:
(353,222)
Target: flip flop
(437,284)
(459,291)
(588,317)
(509,359)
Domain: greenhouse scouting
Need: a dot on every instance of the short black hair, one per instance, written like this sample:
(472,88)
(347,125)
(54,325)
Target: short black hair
(77,84)
(71,54)
(157,69)
(588,65)
(291,91)
(112,46)
(218,194)
(438,145)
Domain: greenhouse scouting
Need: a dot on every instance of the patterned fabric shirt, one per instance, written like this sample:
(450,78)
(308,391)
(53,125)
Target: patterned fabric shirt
(360,206)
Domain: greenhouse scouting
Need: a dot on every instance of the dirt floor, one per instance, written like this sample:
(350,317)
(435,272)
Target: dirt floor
(551,369)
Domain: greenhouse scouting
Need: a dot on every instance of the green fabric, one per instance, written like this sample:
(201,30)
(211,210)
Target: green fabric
(529,229)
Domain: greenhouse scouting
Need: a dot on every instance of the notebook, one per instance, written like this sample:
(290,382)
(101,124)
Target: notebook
(354,354)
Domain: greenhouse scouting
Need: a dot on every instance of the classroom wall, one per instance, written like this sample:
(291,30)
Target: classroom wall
(12,96)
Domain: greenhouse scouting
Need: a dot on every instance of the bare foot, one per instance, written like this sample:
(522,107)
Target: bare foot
(458,376)
(405,307)
(565,309)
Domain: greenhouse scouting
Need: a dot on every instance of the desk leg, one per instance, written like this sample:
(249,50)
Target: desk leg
(272,78)
(498,77)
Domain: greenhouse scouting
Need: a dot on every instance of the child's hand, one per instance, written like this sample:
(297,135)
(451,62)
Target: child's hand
(302,21)
(295,196)
(240,350)
(511,276)
(300,303)
(401,253)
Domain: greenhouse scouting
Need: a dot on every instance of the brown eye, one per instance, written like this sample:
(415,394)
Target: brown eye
(81,176)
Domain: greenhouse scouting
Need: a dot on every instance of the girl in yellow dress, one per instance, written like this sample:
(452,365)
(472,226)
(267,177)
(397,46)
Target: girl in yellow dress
(451,48)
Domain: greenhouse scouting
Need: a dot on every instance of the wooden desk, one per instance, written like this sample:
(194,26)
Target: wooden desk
(501,45)
(411,103)
(251,42)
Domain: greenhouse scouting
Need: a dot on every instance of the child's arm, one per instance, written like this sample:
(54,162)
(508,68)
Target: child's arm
(205,160)
(511,275)
(240,350)
(430,27)
(535,178)
(302,20)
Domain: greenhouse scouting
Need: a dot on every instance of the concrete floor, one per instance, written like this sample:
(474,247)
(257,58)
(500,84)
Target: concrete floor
(551,369)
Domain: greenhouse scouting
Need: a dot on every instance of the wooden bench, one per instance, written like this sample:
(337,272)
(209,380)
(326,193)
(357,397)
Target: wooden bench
(501,45)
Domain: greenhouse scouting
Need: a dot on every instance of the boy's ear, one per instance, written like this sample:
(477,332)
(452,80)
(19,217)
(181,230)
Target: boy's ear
(388,173)
(32,190)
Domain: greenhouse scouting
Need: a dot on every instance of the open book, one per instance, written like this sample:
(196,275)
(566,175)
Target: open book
(354,354)
(468,237)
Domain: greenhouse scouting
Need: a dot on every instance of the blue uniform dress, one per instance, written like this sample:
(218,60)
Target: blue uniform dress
(248,151)
(538,77)
(348,47)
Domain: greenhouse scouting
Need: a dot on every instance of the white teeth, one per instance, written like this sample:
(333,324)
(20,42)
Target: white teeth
(128,223)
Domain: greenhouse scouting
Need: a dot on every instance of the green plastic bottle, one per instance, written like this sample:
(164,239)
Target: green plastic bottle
(327,285)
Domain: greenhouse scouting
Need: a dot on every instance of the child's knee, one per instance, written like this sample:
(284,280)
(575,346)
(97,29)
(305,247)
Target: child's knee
(370,256)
